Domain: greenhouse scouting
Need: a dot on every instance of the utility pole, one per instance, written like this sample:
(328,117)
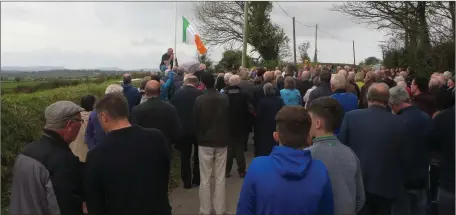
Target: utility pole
(354,59)
(246,22)
(294,41)
(316,36)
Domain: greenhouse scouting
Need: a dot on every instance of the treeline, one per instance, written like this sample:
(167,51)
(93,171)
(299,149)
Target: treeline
(421,34)
(52,83)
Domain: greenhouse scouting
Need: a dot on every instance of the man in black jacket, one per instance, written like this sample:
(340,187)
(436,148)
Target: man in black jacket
(412,201)
(129,174)
(184,100)
(324,89)
(240,122)
(156,113)
(47,176)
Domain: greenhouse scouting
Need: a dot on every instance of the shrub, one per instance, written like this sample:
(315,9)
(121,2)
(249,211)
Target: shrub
(23,119)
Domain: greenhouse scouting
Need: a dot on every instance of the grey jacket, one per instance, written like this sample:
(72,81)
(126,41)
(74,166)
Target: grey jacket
(345,174)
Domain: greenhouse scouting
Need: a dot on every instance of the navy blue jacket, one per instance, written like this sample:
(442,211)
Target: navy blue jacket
(132,94)
(418,126)
(377,136)
(288,182)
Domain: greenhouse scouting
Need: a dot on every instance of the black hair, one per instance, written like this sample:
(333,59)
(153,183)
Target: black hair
(114,104)
(422,83)
(87,102)
(127,79)
(208,80)
(220,83)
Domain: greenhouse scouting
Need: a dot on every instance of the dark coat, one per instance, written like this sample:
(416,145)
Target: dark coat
(184,100)
(363,95)
(426,102)
(377,136)
(418,126)
(322,90)
(211,117)
(258,94)
(132,95)
(303,86)
(240,111)
(247,86)
(265,124)
(159,114)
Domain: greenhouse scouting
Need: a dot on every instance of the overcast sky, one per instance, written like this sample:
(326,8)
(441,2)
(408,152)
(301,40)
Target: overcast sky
(135,35)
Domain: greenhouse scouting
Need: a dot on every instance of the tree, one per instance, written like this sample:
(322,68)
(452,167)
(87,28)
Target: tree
(370,61)
(415,28)
(231,60)
(223,23)
(302,48)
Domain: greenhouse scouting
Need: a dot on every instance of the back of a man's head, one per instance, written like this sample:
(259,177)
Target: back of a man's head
(208,80)
(291,70)
(126,79)
(269,89)
(260,72)
(398,95)
(191,80)
(422,84)
(329,110)
(114,105)
(351,76)
(305,76)
(152,88)
(227,77)
(378,93)
(338,82)
(343,72)
(293,125)
(114,88)
(433,84)
(234,80)
(325,76)
(268,77)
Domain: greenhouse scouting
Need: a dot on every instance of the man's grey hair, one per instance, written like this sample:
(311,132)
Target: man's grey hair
(114,88)
(398,95)
(398,78)
(244,74)
(343,72)
(351,76)
(234,80)
(227,76)
(442,80)
(433,83)
(447,74)
(191,79)
(375,95)
(305,75)
(338,81)
(402,84)
(268,89)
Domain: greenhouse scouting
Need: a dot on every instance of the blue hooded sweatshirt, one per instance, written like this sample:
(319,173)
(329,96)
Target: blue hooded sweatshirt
(287,182)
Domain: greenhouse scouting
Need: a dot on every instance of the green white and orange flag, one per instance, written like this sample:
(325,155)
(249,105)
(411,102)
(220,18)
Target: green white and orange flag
(190,36)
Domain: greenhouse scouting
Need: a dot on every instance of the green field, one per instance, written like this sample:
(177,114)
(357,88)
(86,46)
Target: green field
(23,119)
(13,84)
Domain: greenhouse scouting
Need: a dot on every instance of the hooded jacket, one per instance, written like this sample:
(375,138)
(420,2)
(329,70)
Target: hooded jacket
(288,182)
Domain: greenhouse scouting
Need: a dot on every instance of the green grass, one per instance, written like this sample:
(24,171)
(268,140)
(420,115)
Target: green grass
(13,84)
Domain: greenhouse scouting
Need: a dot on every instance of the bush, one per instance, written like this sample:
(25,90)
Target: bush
(23,120)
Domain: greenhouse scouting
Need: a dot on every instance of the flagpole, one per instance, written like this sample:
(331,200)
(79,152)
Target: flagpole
(175,31)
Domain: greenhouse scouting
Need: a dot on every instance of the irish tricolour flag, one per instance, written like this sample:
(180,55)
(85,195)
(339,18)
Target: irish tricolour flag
(190,36)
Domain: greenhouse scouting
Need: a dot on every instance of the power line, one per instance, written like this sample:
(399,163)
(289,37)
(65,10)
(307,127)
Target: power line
(308,26)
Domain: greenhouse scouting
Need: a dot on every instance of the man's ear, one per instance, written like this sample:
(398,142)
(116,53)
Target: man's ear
(276,136)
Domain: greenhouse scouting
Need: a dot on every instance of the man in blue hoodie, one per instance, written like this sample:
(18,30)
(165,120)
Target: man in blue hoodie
(288,181)
(131,93)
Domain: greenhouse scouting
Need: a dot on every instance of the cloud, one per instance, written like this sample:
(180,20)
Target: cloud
(135,34)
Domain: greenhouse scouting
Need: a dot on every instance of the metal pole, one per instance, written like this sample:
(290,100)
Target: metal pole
(246,23)
(294,40)
(354,59)
(316,36)
(175,33)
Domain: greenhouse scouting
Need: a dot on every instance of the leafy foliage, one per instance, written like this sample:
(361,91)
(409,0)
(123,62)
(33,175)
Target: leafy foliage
(303,48)
(222,23)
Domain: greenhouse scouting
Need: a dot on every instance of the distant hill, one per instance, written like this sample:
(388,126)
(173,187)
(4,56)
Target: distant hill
(30,68)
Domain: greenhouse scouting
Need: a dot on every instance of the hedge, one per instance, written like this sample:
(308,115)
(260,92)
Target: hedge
(22,120)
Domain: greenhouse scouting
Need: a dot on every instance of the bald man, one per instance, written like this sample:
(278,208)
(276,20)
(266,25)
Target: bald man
(130,92)
(156,113)
(349,87)
(380,159)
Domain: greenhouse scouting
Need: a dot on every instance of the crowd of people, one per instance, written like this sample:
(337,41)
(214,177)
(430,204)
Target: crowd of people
(326,141)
